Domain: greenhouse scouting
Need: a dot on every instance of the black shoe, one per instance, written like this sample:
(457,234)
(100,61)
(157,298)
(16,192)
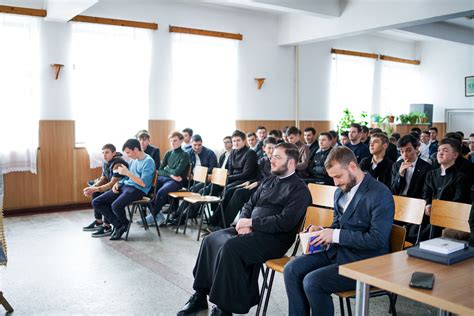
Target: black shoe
(118,232)
(216,311)
(195,304)
(103,231)
(92,226)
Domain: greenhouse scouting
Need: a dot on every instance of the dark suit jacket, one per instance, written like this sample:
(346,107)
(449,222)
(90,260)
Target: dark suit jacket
(365,225)
(415,190)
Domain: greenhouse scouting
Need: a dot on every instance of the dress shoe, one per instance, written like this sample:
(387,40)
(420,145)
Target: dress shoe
(118,232)
(195,304)
(216,311)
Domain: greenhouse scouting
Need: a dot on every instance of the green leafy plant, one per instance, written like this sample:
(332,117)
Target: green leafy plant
(404,118)
(348,118)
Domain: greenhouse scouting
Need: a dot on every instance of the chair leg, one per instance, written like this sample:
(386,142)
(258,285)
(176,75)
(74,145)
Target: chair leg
(392,310)
(341,305)
(349,309)
(5,304)
(267,299)
(154,219)
(262,291)
(130,214)
(186,221)
(201,214)
(142,211)
(179,221)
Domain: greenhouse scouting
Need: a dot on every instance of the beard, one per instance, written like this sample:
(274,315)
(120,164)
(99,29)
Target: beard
(280,171)
(352,182)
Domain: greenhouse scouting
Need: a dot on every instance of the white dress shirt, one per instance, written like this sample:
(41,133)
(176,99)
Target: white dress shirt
(343,203)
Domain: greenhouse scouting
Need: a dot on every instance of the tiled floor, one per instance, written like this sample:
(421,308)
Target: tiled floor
(57,269)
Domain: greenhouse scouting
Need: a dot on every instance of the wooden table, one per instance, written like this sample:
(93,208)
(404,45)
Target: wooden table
(453,289)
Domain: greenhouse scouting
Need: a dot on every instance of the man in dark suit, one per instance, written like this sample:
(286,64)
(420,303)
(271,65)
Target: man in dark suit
(363,217)
(409,172)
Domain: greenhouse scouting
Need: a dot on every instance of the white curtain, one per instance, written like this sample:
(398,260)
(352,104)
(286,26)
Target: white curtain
(352,80)
(400,84)
(19,92)
(204,83)
(110,84)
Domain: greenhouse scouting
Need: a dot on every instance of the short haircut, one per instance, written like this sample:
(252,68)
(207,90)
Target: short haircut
(176,134)
(131,144)
(188,130)
(227,137)
(143,134)
(381,136)
(416,129)
(408,139)
(396,135)
(341,155)
(425,132)
(293,130)
(269,140)
(415,134)
(275,132)
(460,133)
(345,133)
(250,134)
(454,143)
(238,133)
(291,151)
(365,129)
(357,125)
(328,135)
(376,130)
(260,127)
(433,128)
(334,134)
(196,138)
(110,147)
(453,135)
(310,129)
(393,139)
(471,135)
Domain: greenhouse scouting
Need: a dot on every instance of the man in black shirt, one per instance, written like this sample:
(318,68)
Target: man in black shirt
(359,149)
(317,172)
(154,152)
(311,141)
(378,165)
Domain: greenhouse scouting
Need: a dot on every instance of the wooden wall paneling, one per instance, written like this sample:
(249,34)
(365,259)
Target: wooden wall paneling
(82,174)
(251,125)
(56,168)
(441,126)
(21,190)
(159,131)
(320,126)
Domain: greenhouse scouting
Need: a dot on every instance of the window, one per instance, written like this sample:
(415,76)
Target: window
(204,82)
(19,92)
(109,85)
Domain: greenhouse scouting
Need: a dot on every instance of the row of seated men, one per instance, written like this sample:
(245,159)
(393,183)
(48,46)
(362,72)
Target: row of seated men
(268,224)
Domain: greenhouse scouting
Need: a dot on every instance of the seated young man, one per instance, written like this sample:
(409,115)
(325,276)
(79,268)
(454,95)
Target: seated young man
(154,152)
(137,183)
(363,217)
(109,176)
(294,137)
(187,134)
(378,165)
(317,172)
(229,261)
(171,177)
(311,141)
(360,149)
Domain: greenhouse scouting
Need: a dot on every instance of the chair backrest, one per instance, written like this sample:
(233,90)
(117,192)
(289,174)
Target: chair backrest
(409,210)
(219,176)
(452,215)
(322,195)
(397,238)
(189,175)
(318,216)
(200,174)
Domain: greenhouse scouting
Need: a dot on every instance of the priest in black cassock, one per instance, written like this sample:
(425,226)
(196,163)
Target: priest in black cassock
(229,260)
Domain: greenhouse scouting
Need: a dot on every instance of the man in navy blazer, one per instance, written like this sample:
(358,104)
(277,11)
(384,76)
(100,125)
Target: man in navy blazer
(363,218)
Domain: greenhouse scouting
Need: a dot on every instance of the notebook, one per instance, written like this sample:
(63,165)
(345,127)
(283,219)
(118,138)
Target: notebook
(305,241)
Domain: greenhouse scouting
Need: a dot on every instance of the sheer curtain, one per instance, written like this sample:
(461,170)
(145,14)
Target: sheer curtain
(352,80)
(400,84)
(110,84)
(204,82)
(19,92)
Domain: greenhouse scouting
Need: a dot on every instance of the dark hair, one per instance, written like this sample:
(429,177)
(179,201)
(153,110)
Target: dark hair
(357,125)
(415,134)
(269,140)
(396,135)
(260,127)
(425,132)
(365,129)
(471,135)
(454,143)
(293,130)
(328,135)
(460,133)
(310,129)
(238,133)
(275,132)
(291,151)
(393,139)
(376,130)
(334,134)
(453,135)
(345,133)
(196,138)
(408,139)
(416,129)
(227,137)
(131,144)
(176,134)
(381,136)
(110,147)
(188,130)
(341,155)
(249,134)
(143,134)
(433,128)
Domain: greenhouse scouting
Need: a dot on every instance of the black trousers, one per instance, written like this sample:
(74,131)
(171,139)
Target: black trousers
(216,218)
(228,266)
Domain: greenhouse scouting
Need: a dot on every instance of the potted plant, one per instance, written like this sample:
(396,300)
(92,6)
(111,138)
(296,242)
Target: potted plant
(404,118)
(348,118)
(390,117)
(412,117)
(376,118)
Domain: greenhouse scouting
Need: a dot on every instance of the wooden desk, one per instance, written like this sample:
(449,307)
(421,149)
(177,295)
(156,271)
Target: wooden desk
(453,289)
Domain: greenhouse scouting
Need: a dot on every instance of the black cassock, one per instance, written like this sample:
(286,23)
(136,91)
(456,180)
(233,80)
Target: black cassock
(228,264)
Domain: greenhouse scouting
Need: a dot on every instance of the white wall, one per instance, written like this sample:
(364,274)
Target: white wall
(259,56)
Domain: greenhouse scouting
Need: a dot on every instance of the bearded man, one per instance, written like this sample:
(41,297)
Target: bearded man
(229,260)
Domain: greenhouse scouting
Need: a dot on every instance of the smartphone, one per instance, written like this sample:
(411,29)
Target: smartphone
(422,280)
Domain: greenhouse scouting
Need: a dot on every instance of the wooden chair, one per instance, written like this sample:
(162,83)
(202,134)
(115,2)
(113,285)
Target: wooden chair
(452,215)
(218,178)
(200,175)
(141,206)
(322,195)
(397,243)
(174,203)
(410,211)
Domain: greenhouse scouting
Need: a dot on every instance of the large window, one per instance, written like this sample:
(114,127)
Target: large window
(110,84)
(204,85)
(19,97)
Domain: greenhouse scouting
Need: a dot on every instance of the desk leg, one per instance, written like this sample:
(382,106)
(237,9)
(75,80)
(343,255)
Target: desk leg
(362,299)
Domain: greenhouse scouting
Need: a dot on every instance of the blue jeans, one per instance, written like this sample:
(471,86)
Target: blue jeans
(112,205)
(164,186)
(310,280)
